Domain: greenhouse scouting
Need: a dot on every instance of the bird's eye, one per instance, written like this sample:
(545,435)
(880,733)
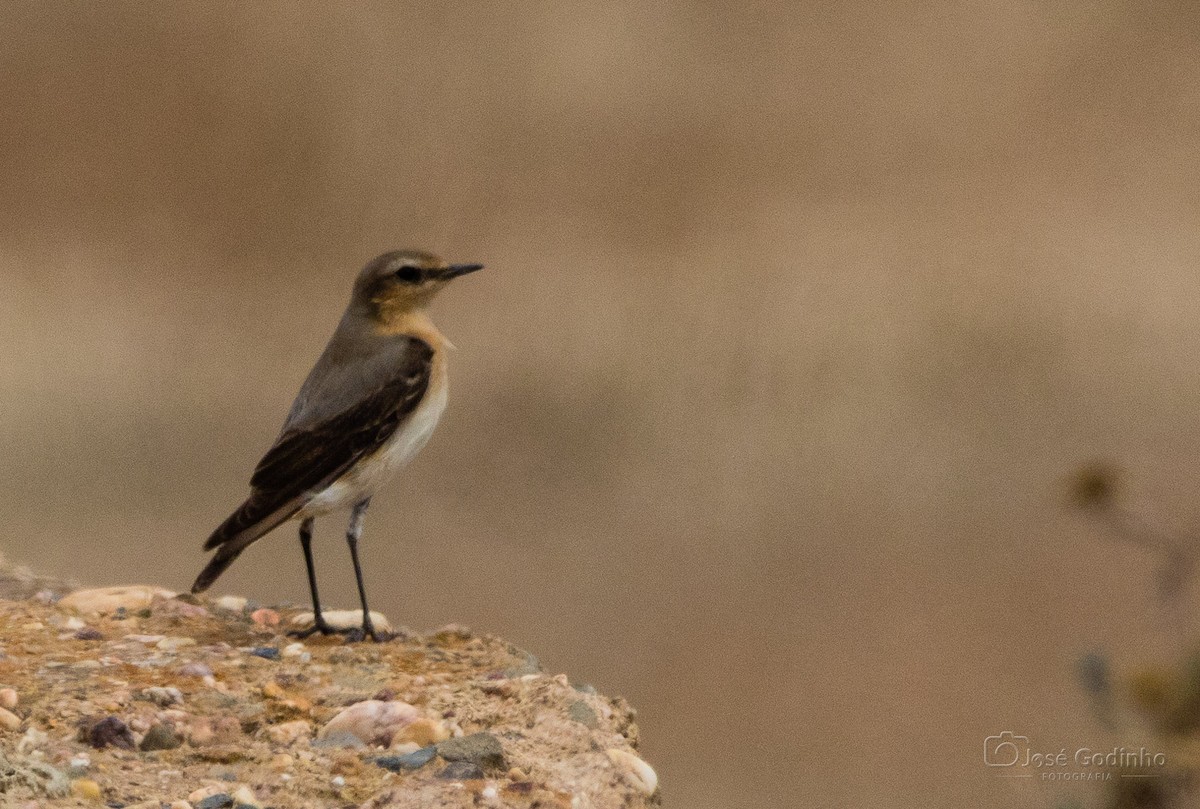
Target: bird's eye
(409,275)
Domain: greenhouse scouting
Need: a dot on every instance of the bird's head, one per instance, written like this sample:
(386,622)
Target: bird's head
(402,281)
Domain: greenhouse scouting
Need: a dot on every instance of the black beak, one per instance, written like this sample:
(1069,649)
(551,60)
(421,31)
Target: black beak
(455,270)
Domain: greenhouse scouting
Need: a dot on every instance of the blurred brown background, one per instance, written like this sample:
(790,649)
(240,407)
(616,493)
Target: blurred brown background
(795,318)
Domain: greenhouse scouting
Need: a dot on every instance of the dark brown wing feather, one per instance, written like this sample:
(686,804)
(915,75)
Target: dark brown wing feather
(305,461)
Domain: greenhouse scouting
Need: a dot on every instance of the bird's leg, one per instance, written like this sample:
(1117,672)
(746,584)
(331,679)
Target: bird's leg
(352,534)
(319,625)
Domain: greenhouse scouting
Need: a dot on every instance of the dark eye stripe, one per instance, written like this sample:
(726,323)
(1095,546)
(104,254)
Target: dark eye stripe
(409,275)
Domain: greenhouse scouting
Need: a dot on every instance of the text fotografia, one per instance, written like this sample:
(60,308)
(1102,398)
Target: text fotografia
(1014,753)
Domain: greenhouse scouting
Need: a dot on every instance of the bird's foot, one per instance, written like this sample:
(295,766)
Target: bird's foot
(353,634)
(319,625)
(368,630)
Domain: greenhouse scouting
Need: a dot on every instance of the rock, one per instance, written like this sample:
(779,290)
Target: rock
(18,773)
(244,796)
(422,732)
(162,697)
(88,633)
(172,644)
(265,617)
(222,800)
(87,789)
(451,632)
(230,603)
(202,731)
(411,761)
(105,600)
(9,720)
(339,738)
(194,670)
(461,771)
(372,721)
(288,733)
(160,737)
(344,619)
(296,650)
(582,713)
(265,652)
(8,698)
(638,773)
(281,762)
(481,749)
(108,732)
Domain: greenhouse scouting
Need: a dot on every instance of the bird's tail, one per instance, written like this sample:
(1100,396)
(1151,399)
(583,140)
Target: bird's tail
(233,536)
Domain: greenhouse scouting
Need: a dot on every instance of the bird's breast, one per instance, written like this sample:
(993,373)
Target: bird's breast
(368,475)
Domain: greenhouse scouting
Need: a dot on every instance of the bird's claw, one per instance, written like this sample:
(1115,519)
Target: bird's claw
(352,634)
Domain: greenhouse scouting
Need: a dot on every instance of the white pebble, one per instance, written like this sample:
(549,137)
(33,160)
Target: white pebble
(338,782)
(244,795)
(230,603)
(637,772)
(345,619)
(74,623)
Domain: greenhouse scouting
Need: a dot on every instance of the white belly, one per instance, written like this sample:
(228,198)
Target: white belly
(369,474)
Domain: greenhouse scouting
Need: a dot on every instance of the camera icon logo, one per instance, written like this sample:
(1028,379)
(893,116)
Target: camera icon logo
(1004,749)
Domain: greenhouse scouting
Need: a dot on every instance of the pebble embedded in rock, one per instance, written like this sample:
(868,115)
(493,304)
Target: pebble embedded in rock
(265,617)
(461,771)
(344,619)
(32,775)
(222,800)
(296,649)
(86,789)
(172,644)
(110,732)
(8,698)
(230,603)
(265,652)
(162,697)
(422,732)
(582,713)
(160,737)
(372,721)
(481,749)
(88,633)
(194,670)
(9,720)
(244,796)
(637,772)
(410,761)
(288,733)
(339,738)
(100,600)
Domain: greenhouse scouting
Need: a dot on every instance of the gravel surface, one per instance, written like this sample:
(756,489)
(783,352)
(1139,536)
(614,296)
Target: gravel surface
(132,697)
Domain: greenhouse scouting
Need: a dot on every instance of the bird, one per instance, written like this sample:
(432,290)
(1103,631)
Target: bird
(369,405)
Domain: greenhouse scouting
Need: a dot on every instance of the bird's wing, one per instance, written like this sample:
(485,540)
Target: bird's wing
(306,460)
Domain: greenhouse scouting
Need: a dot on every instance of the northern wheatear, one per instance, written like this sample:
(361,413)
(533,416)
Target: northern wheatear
(368,406)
